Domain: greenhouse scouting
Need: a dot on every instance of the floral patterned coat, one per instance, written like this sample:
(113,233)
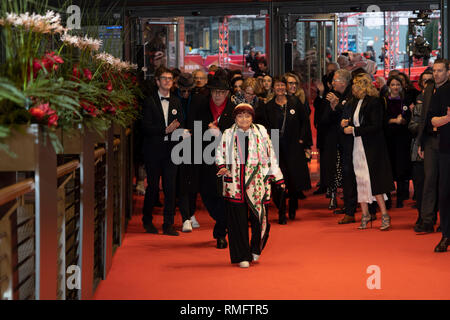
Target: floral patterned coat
(251,180)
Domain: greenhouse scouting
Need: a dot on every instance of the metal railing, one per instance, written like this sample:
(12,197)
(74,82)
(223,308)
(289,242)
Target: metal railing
(57,238)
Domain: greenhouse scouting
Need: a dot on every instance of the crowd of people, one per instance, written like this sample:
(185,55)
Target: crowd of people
(373,137)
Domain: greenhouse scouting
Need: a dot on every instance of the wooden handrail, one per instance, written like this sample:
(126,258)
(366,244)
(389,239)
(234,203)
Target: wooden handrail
(67,168)
(14,191)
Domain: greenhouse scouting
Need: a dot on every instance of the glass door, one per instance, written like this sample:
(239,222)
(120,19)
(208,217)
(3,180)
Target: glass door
(161,44)
(314,46)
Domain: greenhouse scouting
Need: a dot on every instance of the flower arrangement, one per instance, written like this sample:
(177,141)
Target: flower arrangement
(61,88)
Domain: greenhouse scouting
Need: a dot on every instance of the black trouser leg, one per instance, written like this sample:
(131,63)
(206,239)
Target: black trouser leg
(255,242)
(169,178)
(431,181)
(418,180)
(238,238)
(444,194)
(154,171)
(183,194)
(349,185)
(214,203)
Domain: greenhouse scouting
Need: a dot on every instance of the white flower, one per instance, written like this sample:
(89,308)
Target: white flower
(82,43)
(50,23)
(114,62)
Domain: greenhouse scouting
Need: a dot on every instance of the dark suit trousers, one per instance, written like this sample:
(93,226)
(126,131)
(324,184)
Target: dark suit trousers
(444,194)
(160,166)
(238,216)
(418,180)
(349,181)
(430,187)
(213,200)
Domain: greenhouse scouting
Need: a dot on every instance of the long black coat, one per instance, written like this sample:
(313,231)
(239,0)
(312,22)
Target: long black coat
(371,118)
(333,139)
(398,140)
(292,156)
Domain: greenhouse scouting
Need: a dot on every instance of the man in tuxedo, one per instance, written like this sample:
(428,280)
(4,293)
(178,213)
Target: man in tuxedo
(162,115)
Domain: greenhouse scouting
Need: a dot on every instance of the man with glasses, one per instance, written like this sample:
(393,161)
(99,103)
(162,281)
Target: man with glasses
(162,115)
(215,114)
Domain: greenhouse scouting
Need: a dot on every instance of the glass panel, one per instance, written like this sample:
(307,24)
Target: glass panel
(306,52)
(161,45)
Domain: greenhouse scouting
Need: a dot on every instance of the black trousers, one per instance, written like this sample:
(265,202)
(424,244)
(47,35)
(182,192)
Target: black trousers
(444,193)
(186,192)
(160,166)
(349,181)
(211,193)
(238,217)
(430,198)
(418,176)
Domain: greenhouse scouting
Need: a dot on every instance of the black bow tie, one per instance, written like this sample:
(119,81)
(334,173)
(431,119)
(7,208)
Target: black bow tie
(165,98)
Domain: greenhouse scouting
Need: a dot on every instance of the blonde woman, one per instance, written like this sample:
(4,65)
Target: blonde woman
(370,157)
(251,90)
(294,87)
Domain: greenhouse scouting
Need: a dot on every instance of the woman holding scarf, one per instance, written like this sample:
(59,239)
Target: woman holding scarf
(247,163)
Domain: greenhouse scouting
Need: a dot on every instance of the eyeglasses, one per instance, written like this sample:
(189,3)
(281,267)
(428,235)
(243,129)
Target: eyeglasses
(219,92)
(166,78)
(337,80)
(293,83)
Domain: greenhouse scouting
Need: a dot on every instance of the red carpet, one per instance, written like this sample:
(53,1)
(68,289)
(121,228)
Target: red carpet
(310,258)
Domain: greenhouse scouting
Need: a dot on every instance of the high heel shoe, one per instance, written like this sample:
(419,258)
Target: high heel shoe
(364,221)
(385,222)
(333,202)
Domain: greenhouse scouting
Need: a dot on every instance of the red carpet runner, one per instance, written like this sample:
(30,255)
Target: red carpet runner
(310,258)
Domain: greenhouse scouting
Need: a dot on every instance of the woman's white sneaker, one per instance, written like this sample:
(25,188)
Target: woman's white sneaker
(244,264)
(187,227)
(255,257)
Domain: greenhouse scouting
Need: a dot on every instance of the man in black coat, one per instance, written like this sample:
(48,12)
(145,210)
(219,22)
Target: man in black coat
(215,114)
(428,138)
(440,119)
(335,139)
(162,115)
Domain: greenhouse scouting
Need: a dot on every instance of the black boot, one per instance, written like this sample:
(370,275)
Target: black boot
(333,201)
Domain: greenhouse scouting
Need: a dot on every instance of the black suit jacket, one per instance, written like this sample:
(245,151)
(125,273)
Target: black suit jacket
(154,125)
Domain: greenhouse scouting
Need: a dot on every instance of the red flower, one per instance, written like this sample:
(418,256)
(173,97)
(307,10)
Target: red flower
(42,110)
(87,74)
(48,62)
(53,120)
(109,86)
(37,113)
(109,109)
(75,72)
(89,108)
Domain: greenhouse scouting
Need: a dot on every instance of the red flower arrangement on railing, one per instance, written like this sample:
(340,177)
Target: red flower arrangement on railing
(42,111)
(49,62)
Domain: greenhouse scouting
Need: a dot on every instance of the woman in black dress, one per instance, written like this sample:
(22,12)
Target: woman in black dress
(286,114)
(398,137)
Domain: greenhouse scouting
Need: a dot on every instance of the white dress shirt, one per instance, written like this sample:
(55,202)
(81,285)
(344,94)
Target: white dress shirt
(165,107)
